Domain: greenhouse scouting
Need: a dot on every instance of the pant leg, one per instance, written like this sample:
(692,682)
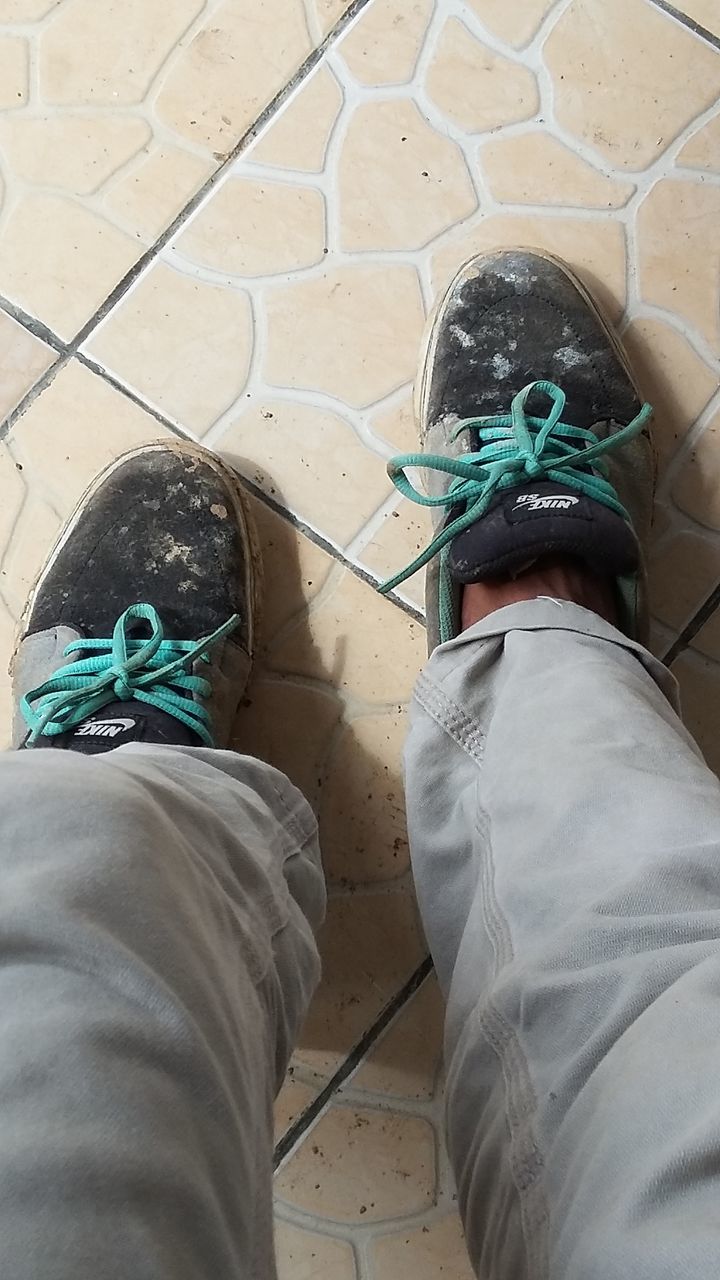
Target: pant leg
(565,836)
(157,908)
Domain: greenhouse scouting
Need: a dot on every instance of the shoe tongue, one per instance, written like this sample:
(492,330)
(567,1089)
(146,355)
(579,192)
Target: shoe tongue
(118,723)
(530,521)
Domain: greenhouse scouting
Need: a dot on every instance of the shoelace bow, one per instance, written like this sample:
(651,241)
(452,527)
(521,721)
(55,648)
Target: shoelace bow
(515,446)
(154,671)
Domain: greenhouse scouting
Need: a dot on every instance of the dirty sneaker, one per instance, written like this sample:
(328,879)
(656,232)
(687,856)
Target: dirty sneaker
(140,627)
(534,438)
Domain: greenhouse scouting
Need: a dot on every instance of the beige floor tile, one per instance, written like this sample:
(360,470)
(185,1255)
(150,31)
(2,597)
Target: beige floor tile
(384,45)
(291,726)
(637,54)
(516,24)
(292,1099)
(495,90)
(396,423)
(400,182)
(75,154)
(702,150)
(311,460)
(298,138)
(26,10)
(231,69)
(141,198)
(362,807)
(59,446)
(431,1252)
(596,249)
(356,640)
(60,259)
(672,377)
(14,72)
(352,332)
(679,253)
(697,486)
(303,1255)
(362,1166)
(707,639)
(127,135)
(257,228)
(126,54)
(33,533)
(23,358)
(403,534)
(682,572)
(184,343)
(699,680)
(294,570)
(370,946)
(326,13)
(406,1062)
(535,168)
(704,12)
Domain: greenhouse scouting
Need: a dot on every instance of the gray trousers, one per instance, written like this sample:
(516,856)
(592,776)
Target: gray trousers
(157,909)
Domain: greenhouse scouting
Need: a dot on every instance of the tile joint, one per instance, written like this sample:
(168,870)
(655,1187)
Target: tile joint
(265,116)
(690,630)
(259,494)
(696,27)
(300,1126)
(33,325)
(68,349)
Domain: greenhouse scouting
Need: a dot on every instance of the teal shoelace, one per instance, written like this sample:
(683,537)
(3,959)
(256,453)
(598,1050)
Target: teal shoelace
(153,670)
(515,447)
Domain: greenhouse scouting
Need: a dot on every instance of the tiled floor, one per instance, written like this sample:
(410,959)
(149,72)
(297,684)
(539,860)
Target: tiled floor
(228,219)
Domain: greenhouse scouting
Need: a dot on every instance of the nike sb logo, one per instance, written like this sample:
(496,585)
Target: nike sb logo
(548,502)
(103,728)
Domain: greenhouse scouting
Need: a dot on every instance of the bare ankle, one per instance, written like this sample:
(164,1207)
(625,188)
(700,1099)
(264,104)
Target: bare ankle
(562,577)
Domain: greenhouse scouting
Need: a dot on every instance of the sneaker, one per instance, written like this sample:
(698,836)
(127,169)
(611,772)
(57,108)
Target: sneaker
(141,625)
(534,436)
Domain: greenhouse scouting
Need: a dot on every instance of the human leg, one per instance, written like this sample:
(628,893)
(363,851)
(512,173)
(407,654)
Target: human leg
(564,828)
(156,961)
(565,837)
(159,900)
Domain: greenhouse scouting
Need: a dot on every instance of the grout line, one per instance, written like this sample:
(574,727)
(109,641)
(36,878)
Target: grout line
(690,630)
(68,349)
(131,394)
(35,326)
(267,113)
(688,22)
(313,536)
(272,503)
(300,1126)
(36,389)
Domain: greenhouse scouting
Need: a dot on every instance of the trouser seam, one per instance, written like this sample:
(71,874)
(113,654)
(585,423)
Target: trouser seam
(301,833)
(525,1159)
(450,717)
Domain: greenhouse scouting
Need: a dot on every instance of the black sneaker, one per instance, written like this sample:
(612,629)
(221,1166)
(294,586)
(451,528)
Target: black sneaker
(141,625)
(534,437)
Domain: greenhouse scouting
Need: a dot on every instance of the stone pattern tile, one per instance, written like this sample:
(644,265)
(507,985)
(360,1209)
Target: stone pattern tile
(281,326)
(704,12)
(102,150)
(368,1172)
(316,260)
(23,359)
